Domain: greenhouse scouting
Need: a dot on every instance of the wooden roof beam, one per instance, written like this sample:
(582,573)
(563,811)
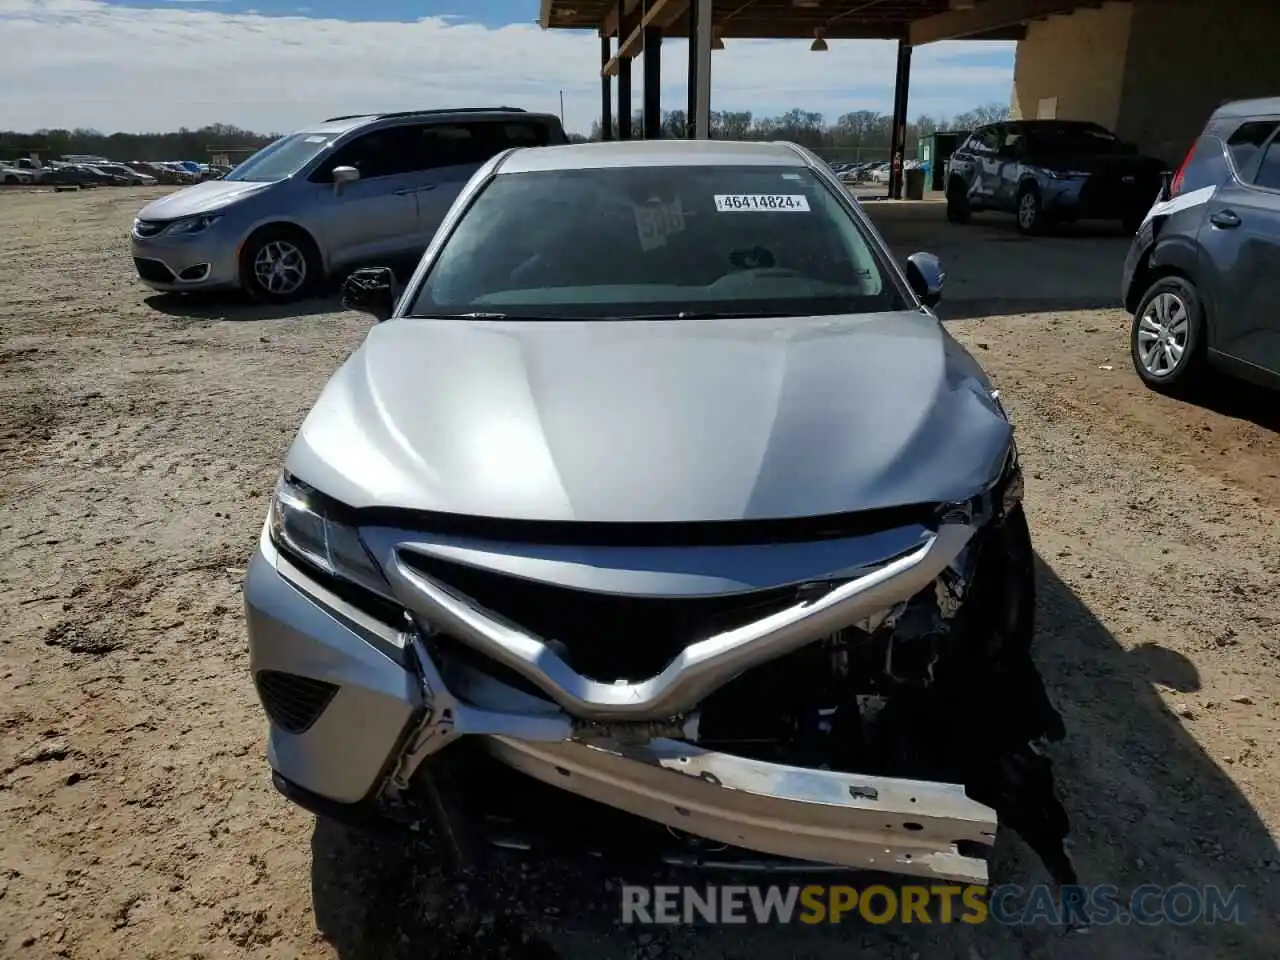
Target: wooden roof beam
(661,14)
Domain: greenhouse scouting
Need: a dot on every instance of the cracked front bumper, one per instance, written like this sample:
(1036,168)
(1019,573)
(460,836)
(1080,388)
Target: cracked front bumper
(393,711)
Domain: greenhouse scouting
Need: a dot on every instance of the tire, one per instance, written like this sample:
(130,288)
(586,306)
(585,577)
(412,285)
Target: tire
(958,209)
(11,181)
(1029,210)
(1170,313)
(297,270)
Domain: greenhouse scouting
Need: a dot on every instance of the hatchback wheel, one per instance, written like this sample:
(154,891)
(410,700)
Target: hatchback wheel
(1030,211)
(1166,339)
(279,264)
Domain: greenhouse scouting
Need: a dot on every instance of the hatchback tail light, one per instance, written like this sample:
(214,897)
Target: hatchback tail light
(1175,185)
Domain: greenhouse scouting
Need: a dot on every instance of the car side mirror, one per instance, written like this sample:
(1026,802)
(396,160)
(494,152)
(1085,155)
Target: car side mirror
(1166,187)
(925,274)
(344,175)
(370,290)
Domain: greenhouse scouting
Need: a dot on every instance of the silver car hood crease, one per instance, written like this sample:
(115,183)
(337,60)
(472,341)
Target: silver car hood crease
(654,421)
(199,198)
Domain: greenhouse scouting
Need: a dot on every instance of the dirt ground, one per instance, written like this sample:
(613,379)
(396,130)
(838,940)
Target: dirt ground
(140,436)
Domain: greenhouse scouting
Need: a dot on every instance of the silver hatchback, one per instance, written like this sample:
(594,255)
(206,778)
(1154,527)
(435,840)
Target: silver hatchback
(348,191)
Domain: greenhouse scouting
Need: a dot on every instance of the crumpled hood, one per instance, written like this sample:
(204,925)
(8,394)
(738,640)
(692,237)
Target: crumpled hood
(199,198)
(654,421)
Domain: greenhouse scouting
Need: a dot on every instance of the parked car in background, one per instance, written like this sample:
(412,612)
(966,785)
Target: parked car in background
(1051,171)
(878,172)
(1202,278)
(108,177)
(128,174)
(559,529)
(69,174)
(12,176)
(346,191)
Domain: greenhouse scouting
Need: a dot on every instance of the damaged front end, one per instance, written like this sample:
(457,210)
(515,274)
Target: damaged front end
(854,691)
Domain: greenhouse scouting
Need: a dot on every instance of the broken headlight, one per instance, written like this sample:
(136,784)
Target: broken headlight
(308,526)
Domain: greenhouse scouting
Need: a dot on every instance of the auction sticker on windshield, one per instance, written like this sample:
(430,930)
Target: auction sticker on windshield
(762,202)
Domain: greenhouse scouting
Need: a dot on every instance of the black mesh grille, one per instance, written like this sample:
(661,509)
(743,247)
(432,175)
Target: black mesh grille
(293,703)
(152,270)
(605,636)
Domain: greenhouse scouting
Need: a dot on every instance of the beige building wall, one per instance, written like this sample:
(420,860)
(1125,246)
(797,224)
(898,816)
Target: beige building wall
(1073,66)
(1151,70)
(1188,56)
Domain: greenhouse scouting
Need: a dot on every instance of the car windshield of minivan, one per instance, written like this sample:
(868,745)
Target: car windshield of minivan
(281,158)
(657,242)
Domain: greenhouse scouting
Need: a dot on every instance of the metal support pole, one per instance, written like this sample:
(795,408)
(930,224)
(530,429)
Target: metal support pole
(692,111)
(606,94)
(652,83)
(898,142)
(624,77)
(702,91)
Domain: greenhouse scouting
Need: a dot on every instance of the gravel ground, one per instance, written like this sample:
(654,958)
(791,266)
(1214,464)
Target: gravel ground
(140,437)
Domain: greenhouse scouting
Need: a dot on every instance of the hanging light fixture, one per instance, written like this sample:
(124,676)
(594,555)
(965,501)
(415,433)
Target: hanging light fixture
(717,42)
(819,44)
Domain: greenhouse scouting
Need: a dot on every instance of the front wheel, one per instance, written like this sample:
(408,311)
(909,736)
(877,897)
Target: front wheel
(1166,338)
(1030,210)
(279,264)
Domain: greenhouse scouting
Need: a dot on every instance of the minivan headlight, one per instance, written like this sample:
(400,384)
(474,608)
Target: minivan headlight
(302,525)
(194,224)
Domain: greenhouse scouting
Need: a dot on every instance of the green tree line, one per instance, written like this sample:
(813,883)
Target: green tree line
(860,134)
(180,144)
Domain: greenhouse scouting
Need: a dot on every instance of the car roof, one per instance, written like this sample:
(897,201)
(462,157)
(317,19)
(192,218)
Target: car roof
(1238,109)
(654,153)
(337,125)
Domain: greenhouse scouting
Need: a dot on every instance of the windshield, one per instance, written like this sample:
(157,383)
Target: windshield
(660,242)
(281,158)
(1074,140)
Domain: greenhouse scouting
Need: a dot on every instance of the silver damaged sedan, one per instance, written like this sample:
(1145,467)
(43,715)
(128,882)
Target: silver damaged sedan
(660,499)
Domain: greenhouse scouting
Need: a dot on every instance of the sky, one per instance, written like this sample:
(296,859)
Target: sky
(278,65)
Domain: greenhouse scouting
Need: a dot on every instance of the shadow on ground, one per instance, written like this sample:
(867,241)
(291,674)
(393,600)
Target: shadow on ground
(1147,806)
(237,307)
(1240,399)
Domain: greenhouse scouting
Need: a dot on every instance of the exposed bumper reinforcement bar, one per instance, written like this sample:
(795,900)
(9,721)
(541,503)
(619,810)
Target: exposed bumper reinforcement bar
(701,667)
(869,823)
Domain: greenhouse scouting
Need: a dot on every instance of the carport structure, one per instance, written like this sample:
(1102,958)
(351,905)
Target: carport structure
(635,28)
(1151,70)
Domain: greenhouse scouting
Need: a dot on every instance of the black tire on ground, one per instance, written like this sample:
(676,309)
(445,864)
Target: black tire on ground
(1170,321)
(298,268)
(958,209)
(1029,210)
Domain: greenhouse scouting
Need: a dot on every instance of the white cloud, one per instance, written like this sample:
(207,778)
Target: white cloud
(86,63)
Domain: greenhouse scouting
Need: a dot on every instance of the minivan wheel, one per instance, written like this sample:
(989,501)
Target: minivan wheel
(279,264)
(958,209)
(1166,339)
(1030,210)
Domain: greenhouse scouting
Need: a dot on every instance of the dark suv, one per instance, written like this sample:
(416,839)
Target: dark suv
(1047,171)
(1202,278)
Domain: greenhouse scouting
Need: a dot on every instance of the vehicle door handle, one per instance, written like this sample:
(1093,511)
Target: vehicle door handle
(1226,219)
(405,191)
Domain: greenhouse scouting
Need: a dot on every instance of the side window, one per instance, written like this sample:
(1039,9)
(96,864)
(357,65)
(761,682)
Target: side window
(1245,146)
(1205,167)
(988,141)
(454,144)
(381,153)
(522,133)
(1269,169)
